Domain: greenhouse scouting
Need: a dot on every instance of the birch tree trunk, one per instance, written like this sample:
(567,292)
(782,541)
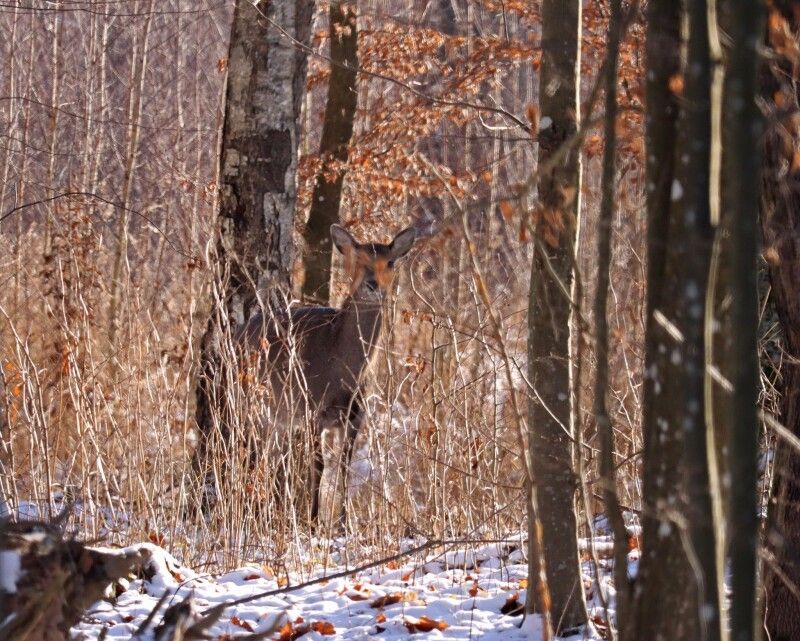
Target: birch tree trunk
(266,77)
(265,84)
(550,424)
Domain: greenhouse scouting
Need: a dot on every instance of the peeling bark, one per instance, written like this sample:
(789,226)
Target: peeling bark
(265,84)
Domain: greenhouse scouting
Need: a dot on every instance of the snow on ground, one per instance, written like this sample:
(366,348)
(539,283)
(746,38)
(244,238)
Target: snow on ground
(453,595)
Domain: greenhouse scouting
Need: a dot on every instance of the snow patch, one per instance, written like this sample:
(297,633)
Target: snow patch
(677,191)
(10,570)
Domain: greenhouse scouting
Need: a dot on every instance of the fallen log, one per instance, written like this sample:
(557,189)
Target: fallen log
(48,581)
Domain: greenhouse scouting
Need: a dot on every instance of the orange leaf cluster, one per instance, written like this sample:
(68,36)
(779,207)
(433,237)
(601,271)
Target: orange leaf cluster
(290,631)
(241,623)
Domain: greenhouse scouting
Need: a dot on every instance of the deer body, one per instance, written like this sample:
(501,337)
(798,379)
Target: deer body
(315,356)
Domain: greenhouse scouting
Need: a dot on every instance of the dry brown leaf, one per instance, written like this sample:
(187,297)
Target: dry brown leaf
(512,606)
(241,623)
(391,599)
(323,627)
(289,632)
(550,238)
(593,145)
(386,600)
(155,538)
(286,632)
(601,625)
(532,112)
(772,256)
(424,624)
(676,84)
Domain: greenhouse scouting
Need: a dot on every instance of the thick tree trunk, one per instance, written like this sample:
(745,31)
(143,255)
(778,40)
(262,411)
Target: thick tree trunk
(659,608)
(743,125)
(550,424)
(681,519)
(259,152)
(337,129)
(266,80)
(780,222)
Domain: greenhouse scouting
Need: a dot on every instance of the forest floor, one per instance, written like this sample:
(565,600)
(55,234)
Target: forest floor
(455,595)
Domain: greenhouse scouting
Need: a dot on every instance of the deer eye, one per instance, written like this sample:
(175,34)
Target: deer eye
(390,264)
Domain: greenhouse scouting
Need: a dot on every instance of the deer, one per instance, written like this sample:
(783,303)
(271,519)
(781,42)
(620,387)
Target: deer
(318,355)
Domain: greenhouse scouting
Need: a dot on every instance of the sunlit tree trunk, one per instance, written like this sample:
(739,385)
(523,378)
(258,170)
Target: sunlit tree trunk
(550,424)
(698,210)
(337,129)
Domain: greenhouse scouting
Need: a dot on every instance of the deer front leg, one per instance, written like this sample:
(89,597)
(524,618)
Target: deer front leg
(353,418)
(317,466)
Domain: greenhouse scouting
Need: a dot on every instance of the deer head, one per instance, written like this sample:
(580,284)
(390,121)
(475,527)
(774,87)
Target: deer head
(371,265)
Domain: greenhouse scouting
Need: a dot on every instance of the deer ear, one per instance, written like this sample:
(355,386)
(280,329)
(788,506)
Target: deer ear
(403,242)
(342,239)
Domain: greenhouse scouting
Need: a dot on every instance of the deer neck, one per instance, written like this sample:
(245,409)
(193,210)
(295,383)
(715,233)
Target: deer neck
(360,325)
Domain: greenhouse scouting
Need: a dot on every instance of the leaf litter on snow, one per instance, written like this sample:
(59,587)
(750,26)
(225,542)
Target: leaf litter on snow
(467,594)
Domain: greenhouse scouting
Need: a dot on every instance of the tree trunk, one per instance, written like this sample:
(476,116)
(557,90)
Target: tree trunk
(337,129)
(605,428)
(660,611)
(681,523)
(550,425)
(266,79)
(258,166)
(698,210)
(743,126)
(780,223)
